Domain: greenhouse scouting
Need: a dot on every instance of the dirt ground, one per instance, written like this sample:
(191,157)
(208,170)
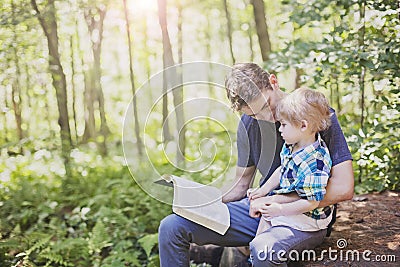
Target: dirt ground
(366,233)
(368,222)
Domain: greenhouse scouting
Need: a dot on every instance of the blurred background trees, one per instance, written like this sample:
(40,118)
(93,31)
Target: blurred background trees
(69,69)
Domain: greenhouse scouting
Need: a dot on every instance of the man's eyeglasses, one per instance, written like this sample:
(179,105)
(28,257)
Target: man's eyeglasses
(265,106)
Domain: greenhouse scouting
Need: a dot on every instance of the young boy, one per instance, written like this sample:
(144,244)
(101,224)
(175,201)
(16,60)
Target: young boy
(305,165)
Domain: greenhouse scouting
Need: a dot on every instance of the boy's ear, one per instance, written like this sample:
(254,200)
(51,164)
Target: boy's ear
(303,125)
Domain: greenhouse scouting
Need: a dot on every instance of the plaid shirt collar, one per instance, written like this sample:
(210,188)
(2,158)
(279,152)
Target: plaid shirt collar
(304,153)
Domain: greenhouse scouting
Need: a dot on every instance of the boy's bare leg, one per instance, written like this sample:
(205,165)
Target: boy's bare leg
(263,226)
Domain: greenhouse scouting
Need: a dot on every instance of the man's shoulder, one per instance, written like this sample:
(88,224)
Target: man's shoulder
(246,120)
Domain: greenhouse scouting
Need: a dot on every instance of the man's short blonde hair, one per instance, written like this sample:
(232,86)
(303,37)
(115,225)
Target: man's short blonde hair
(305,104)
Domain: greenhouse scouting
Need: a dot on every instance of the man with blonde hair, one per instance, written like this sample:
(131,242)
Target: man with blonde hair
(256,93)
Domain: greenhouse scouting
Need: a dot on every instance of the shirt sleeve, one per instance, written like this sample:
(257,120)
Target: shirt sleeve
(243,145)
(336,142)
(314,178)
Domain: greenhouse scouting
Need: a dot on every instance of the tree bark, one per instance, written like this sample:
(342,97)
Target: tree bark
(362,75)
(16,87)
(362,68)
(250,36)
(88,95)
(28,95)
(132,80)
(73,87)
(95,20)
(262,28)
(229,29)
(171,75)
(178,97)
(49,25)
(299,72)
(4,113)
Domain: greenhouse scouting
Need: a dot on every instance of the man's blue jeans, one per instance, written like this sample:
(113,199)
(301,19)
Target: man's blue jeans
(176,233)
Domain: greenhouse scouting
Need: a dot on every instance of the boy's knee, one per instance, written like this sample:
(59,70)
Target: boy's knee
(264,252)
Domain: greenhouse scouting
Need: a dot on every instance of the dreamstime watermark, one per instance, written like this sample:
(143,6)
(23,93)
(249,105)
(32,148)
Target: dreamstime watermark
(333,254)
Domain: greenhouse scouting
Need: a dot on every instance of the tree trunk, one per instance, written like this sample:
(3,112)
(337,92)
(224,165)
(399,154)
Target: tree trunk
(95,20)
(362,68)
(299,72)
(171,76)
(337,93)
(229,33)
(178,97)
(28,95)
(73,73)
(16,87)
(162,10)
(250,36)
(146,55)
(362,74)
(16,100)
(132,80)
(4,113)
(49,24)
(180,40)
(211,87)
(88,95)
(262,29)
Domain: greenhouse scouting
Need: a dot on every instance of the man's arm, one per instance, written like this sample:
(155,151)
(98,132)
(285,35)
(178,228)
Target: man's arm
(340,187)
(244,178)
(341,184)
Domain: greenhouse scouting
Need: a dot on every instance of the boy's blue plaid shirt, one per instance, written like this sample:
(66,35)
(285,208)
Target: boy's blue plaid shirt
(307,172)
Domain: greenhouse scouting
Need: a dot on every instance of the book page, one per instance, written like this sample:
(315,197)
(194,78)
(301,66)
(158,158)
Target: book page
(199,203)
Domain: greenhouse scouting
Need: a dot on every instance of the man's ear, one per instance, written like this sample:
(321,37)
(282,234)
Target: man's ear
(273,81)
(304,125)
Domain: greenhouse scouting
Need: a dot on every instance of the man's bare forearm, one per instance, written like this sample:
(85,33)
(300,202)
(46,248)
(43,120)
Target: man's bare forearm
(237,191)
(341,184)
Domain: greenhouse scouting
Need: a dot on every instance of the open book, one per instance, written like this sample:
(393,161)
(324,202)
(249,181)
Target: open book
(199,203)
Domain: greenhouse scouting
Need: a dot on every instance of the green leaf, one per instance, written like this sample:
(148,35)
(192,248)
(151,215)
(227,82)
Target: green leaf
(148,242)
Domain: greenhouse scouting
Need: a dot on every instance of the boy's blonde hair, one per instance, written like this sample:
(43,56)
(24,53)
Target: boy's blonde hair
(305,104)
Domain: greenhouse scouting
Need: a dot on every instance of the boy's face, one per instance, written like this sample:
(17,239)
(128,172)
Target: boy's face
(291,133)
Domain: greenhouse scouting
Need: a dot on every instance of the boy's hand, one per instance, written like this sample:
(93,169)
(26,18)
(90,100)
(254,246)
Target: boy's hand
(272,210)
(254,193)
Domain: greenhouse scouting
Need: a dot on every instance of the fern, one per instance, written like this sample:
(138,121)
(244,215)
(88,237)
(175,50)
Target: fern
(39,244)
(99,238)
(54,258)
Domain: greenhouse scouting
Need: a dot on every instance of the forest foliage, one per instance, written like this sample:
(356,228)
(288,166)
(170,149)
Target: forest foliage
(70,68)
